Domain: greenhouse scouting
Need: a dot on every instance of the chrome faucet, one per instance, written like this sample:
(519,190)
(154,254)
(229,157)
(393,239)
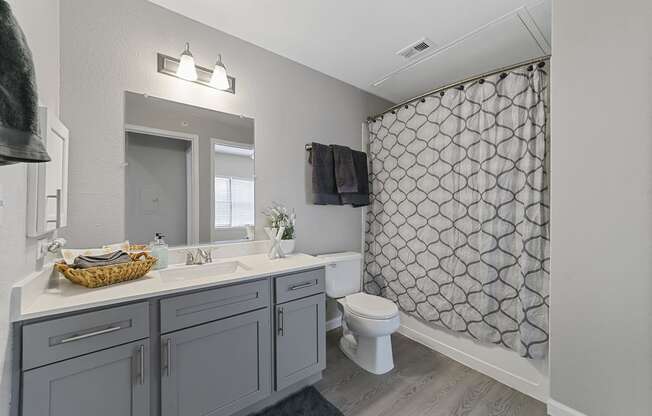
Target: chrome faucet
(205,256)
(201,256)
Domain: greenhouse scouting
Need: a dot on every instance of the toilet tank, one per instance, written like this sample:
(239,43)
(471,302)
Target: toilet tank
(343,275)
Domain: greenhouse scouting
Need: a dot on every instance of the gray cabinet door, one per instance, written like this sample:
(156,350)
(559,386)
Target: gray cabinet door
(218,368)
(300,339)
(105,383)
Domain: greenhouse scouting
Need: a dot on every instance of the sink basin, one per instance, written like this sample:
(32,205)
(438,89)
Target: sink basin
(200,271)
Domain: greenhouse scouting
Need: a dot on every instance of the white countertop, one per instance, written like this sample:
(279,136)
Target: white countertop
(31,298)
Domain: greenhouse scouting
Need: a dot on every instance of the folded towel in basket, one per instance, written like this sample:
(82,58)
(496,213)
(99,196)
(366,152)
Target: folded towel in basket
(110,259)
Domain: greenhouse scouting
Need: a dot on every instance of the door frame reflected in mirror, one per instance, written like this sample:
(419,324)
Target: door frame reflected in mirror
(192,170)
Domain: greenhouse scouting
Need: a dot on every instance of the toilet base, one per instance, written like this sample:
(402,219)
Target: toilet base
(373,354)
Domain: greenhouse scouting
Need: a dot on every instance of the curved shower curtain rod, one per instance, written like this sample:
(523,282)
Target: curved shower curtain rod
(458,83)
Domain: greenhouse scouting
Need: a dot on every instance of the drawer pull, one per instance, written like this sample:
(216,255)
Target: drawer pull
(303,285)
(141,357)
(90,334)
(167,356)
(280,322)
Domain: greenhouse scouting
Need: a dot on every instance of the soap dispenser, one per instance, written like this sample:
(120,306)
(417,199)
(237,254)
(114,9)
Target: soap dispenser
(160,251)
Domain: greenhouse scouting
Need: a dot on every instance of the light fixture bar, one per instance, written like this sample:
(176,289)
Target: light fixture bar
(168,65)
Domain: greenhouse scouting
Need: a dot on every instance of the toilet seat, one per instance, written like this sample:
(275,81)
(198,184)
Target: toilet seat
(370,306)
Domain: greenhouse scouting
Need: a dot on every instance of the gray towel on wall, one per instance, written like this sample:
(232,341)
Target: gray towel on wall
(324,190)
(360,198)
(19,135)
(345,177)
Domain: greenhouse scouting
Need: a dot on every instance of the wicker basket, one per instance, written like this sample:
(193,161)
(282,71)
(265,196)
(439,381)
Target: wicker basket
(140,265)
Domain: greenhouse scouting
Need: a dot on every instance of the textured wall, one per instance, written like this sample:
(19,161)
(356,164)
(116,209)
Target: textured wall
(110,47)
(39,20)
(601,293)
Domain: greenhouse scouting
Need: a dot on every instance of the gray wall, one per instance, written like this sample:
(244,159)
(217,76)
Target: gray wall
(601,290)
(156,167)
(40,23)
(207,124)
(110,47)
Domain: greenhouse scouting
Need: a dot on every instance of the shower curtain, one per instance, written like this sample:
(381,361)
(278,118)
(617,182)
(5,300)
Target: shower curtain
(457,231)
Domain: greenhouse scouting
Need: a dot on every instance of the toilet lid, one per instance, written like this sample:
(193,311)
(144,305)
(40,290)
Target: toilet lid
(372,307)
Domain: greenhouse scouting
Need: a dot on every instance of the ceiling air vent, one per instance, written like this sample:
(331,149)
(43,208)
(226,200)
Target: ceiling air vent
(416,48)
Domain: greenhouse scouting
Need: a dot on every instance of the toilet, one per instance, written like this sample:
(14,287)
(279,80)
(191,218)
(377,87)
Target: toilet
(367,321)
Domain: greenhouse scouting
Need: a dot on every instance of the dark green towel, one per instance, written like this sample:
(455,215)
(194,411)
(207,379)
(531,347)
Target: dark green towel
(19,132)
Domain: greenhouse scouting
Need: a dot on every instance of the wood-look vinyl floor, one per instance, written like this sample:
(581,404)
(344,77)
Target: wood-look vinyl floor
(422,383)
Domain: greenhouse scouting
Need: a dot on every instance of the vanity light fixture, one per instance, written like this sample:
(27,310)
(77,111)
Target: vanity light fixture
(219,78)
(185,68)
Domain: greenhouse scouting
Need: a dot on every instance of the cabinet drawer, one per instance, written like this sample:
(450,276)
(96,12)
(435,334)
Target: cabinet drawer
(299,285)
(196,308)
(59,339)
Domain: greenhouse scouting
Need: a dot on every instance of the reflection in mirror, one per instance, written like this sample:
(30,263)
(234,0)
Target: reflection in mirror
(189,174)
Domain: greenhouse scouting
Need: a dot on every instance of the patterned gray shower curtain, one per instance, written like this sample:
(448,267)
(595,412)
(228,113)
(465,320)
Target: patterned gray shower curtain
(457,232)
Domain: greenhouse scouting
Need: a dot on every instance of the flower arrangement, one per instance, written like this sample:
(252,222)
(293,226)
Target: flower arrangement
(279,216)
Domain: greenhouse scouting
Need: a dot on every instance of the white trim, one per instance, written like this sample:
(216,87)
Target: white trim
(36,208)
(333,323)
(515,381)
(558,409)
(193,196)
(231,143)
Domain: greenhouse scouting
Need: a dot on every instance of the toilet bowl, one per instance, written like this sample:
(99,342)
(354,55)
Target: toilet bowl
(367,321)
(367,325)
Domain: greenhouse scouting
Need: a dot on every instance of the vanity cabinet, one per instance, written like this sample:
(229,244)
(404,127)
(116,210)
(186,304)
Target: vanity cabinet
(216,351)
(217,368)
(300,339)
(110,382)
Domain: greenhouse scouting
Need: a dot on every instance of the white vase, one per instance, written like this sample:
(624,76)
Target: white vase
(287,246)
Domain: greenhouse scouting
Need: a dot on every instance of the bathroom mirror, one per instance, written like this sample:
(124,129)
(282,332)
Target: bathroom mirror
(189,173)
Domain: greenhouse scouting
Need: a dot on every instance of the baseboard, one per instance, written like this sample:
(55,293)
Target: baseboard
(333,323)
(558,409)
(532,388)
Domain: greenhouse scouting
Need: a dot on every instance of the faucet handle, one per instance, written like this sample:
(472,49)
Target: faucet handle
(190,258)
(209,255)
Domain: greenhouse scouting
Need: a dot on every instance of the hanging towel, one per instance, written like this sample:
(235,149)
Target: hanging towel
(324,190)
(345,177)
(19,135)
(360,198)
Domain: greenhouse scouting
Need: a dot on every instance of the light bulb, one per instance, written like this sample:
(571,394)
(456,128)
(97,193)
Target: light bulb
(219,79)
(186,69)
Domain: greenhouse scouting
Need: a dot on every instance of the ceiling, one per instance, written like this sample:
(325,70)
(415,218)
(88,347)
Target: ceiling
(357,41)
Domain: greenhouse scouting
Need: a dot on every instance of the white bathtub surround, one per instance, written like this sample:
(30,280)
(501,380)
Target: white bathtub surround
(31,299)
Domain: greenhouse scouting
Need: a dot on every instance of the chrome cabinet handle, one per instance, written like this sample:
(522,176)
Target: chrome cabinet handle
(90,334)
(167,354)
(141,370)
(281,331)
(302,285)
